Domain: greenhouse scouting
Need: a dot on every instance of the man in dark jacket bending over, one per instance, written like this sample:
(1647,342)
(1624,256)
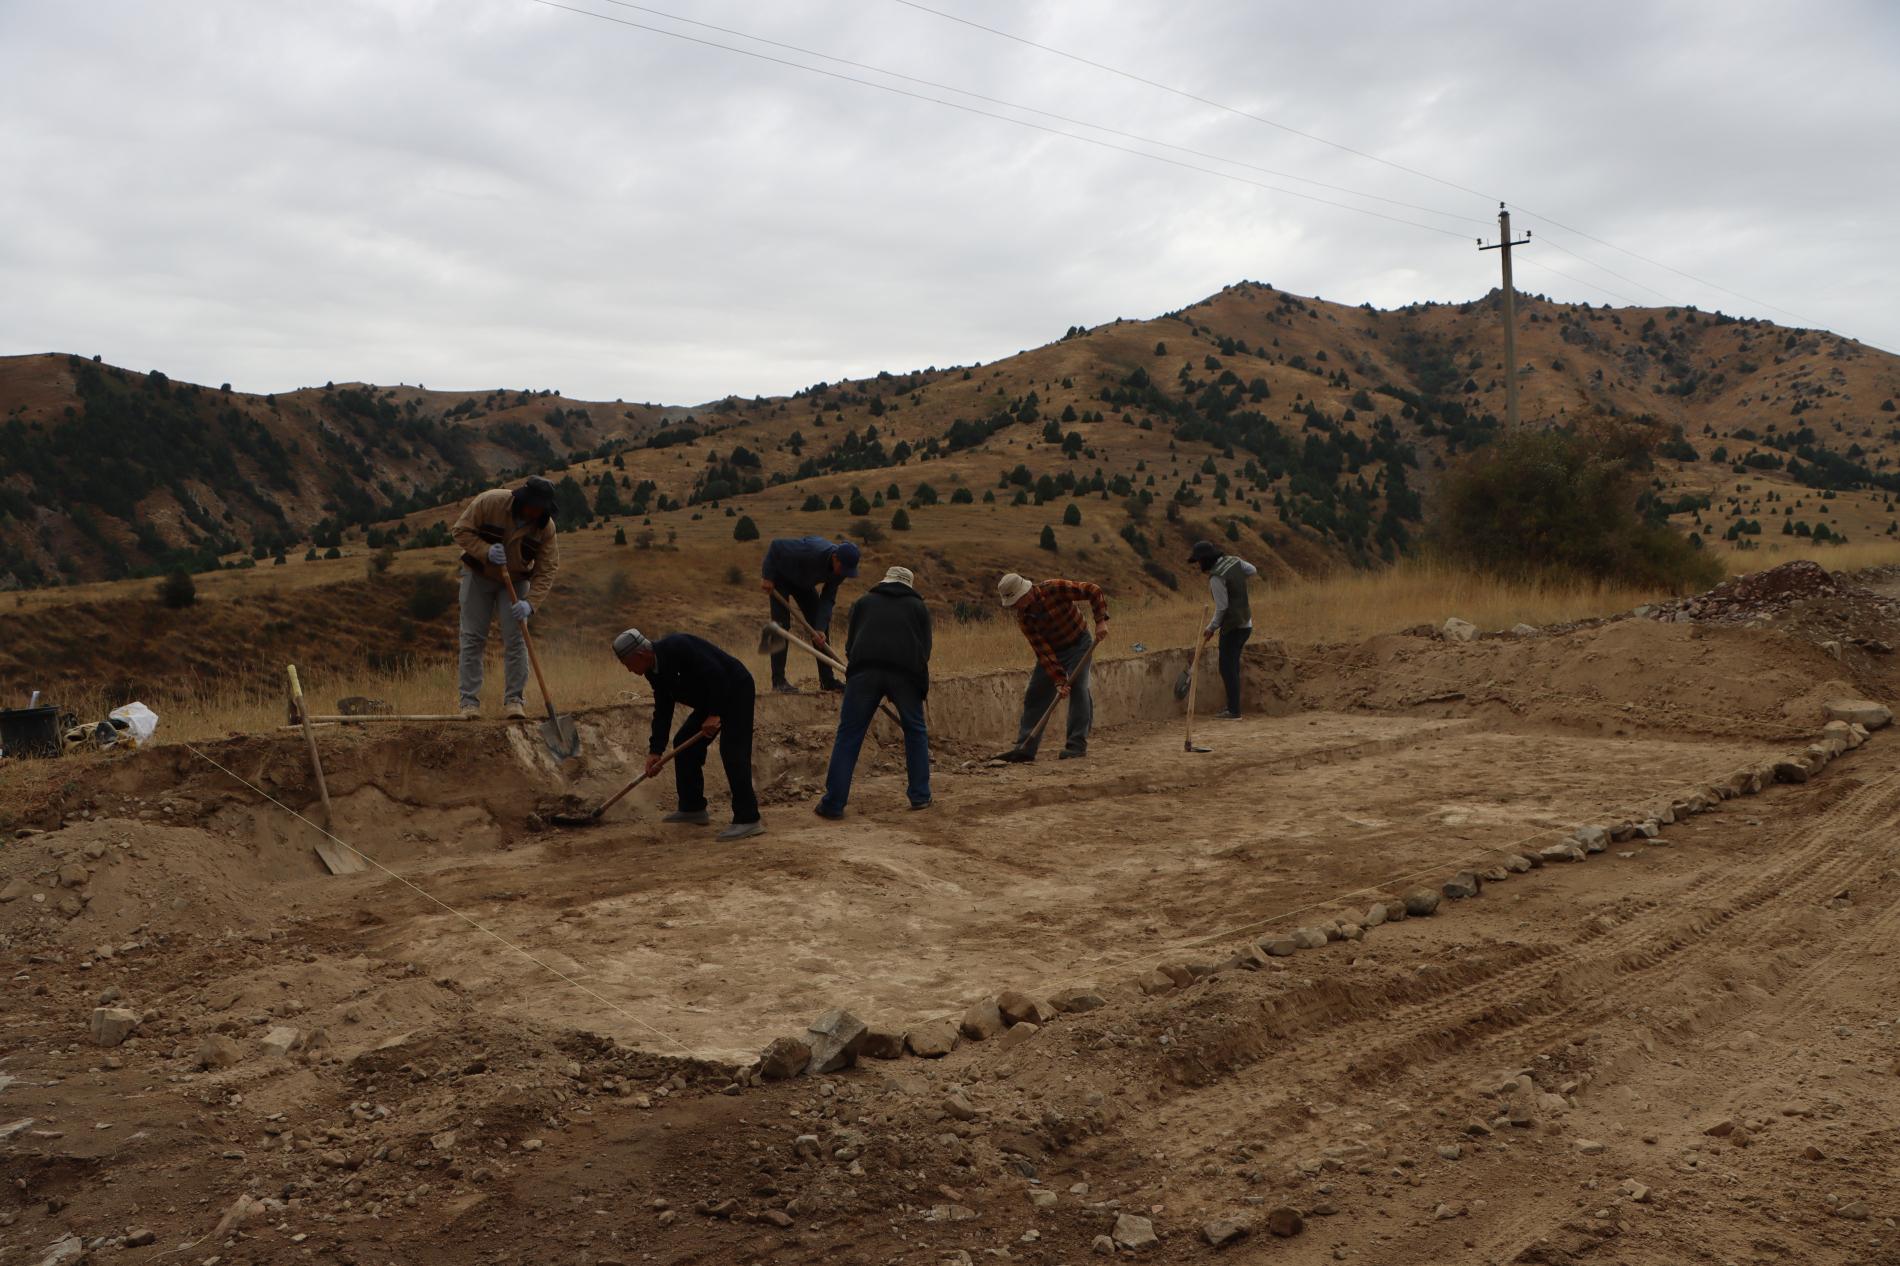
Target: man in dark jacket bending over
(806,570)
(685,669)
(888,648)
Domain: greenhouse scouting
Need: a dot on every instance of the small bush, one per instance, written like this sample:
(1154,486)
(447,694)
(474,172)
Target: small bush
(333,552)
(1048,539)
(900,522)
(178,590)
(745,529)
(430,594)
(1072,515)
(620,536)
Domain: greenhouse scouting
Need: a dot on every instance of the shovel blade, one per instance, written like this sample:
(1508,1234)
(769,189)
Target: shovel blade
(1181,683)
(561,737)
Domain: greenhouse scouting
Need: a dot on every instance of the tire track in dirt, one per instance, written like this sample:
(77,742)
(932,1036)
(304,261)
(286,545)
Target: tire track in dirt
(1558,988)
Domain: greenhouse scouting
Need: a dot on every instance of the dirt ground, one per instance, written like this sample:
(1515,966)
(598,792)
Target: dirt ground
(524,1044)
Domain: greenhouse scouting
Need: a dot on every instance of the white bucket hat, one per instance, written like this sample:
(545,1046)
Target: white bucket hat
(900,576)
(1012,588)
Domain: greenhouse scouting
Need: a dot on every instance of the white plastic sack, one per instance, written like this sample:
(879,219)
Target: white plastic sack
(140,722)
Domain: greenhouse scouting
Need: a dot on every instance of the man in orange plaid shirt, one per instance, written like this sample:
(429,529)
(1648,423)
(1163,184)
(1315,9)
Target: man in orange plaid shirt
(1046,613)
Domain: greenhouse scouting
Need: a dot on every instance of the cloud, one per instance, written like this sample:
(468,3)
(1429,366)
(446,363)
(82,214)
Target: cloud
(494,192)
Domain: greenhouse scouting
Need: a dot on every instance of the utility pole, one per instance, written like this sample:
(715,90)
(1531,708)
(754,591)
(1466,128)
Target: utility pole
(1503,245)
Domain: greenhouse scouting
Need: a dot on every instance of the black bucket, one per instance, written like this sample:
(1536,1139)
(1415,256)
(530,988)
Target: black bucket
(29,732)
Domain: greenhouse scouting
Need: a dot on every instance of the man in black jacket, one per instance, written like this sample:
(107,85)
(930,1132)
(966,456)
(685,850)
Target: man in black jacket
(685,669)
(888,650)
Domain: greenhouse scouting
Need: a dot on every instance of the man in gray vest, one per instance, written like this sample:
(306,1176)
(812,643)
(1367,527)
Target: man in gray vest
(1233,619)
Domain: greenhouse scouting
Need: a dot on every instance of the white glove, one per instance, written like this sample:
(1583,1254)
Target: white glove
(522,611)
(498,555)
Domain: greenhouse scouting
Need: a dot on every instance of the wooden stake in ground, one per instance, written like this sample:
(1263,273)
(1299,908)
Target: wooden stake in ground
(1194,680)
(338,861)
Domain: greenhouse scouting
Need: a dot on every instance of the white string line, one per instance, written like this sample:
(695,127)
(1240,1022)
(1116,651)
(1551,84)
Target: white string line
(486,931)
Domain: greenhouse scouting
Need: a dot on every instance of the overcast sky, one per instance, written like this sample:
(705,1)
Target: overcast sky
(476,193)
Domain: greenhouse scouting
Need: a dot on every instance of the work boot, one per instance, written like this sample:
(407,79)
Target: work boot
(832,688)
(690,817)
(742,831)
(785,688)
(1067,754)
(515,711)
(1225,715)
(827,814)
(471,712)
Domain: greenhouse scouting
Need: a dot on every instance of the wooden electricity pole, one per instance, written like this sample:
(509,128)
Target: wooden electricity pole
(1503,246)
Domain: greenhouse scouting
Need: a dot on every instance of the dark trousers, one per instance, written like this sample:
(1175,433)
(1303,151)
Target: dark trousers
(810,607)
(863,691)
(1232,642)
(1042,692)
(735,753)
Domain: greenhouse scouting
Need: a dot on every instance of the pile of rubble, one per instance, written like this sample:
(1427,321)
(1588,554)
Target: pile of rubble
(1765,597)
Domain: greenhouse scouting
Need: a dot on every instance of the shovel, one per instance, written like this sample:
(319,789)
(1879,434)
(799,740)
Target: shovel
(593,815)
(1019,754)
(1193,679)
(557,732)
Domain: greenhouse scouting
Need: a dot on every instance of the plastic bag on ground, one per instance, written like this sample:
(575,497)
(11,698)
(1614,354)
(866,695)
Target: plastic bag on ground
(140,722)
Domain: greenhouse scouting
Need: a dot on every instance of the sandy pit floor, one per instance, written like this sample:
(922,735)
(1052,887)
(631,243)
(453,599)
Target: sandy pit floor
(1682,1049)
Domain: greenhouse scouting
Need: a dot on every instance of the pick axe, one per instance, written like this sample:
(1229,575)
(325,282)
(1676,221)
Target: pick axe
(772,638)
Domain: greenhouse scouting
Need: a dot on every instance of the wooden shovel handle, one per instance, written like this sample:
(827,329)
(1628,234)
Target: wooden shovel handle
(528,641)
(614,799)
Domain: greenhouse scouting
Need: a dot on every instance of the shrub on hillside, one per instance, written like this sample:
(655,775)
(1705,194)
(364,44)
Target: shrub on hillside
(1565,503)
(1048,539)
(178,590)
(430,594)
(745,530)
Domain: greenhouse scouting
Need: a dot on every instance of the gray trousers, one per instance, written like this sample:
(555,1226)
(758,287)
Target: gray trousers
(482,601)
(1042,692)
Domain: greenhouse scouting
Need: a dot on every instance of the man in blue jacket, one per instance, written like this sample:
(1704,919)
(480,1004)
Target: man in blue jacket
(889,649)
(685,669)
(806,570)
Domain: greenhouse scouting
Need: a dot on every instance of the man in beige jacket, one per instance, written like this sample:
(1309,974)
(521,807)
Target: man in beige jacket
(512,529)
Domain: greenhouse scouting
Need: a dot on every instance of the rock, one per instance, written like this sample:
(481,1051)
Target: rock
(1589,1147)
(1019,1008)
(1308,938)
(140,1238)
(242,1210)
(984,1020)
(1420,903)
(1853,1211)
(281,1040)
(1450,1151)
(1523,630)
(1861,712)
(932,1040)
(958,1105)
(1477,1129)
(1018,1034)
(1636,1191)
(882,1044)
(218,1051)
(1286,1221)
(783,1057)
(1456,630)
(1279,946)
(777,1217)
(1135,1234)
(1461,885)
(69,905)
(1042,1199)
(73,875)
(1180,973)
(1813,1153)
(1791,771)
(1223,1231)
(66,1249)
(1721,1129)
(1563,851)
(15,888)
(1074,1001)
(1446,1212)
(1594,839)
(1154,982)
(1102,1246)
(835,1038)
(110,1026)
(1375,915)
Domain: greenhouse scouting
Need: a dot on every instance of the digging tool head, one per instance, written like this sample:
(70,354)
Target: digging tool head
(772,639)
(577,819)
(1191,746)
(562,738)
(1181,683)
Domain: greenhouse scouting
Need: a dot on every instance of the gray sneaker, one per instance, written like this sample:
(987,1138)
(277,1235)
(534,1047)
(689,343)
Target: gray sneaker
(742,830)
(696,817)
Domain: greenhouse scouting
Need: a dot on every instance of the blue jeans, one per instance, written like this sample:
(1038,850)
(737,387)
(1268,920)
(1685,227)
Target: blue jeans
(863,691)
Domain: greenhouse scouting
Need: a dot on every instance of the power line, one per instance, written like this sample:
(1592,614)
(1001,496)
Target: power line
(1580,281)
(1196,97)
(991,114)
(1348,149)
(1047,114)
(1546,241)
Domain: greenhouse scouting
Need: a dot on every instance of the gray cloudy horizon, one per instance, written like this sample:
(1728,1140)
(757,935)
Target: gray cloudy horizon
(489,193)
